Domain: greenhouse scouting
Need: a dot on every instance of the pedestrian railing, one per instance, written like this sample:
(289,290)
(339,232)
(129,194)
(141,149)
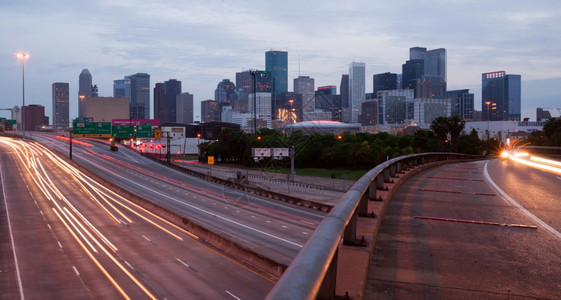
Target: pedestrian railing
(312,274)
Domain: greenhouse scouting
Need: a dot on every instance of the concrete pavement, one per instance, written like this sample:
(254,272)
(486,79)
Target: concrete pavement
(444,236)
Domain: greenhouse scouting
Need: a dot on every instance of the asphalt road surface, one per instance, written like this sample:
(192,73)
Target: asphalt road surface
(63,235)
(478,230)
(275,230)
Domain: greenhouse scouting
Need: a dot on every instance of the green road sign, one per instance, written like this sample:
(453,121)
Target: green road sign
(91,129)
(144,130)
(122,131)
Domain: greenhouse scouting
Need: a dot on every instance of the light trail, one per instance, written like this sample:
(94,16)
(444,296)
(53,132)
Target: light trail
(546,161)
(533,161)
(32,157)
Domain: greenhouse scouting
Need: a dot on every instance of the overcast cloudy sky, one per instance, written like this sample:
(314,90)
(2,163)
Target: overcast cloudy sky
(202,42)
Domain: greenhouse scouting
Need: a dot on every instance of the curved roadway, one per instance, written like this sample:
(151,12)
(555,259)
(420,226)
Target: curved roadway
(487,229)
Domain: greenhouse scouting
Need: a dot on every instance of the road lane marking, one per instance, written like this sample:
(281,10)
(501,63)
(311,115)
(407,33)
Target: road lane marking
(513,202)
(76,271)
(209,212)
(183,263)
(233,296)
(128,264)
(18,275)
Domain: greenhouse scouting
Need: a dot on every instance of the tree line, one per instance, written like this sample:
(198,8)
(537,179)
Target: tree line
(549,136)
(345,151)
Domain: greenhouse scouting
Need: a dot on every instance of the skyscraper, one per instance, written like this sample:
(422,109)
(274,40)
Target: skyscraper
(160,102)
(61,106)
(262,109)
(435,63)
(172,89)
(462,103)
(140,96)
(500,96)
(344,90)
(357,89)
(224,90)
(276,63)
(328,100)
(383,82)
(392,106)
(84,90)
(122,88)
(417,53)
(184,108)
(210,111)
(412,71)
(427,66)
(244,81)
(304,85)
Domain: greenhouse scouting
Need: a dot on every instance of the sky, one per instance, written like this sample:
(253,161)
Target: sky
(202,42)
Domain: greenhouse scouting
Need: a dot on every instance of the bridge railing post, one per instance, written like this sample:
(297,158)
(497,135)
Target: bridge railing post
(327,288)
(349,237)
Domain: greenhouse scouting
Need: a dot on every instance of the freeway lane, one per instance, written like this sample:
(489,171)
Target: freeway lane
(72,238)
(444,236)
(534,189)
(275,230)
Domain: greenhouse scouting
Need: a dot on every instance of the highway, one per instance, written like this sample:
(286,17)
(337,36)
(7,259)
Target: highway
(64,235)
(487,229)
(275,230)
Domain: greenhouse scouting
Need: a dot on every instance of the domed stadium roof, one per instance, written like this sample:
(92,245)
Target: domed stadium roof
(322,127)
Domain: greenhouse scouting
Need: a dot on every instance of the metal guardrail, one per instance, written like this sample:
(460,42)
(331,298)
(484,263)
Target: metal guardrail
(312,274)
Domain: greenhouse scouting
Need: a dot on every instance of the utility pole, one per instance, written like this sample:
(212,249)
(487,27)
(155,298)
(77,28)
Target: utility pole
(168,154)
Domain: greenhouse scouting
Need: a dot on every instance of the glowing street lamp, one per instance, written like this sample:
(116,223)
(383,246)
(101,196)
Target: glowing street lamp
(23,56)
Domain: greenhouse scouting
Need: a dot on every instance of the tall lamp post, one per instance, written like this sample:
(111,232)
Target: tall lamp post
(23,56)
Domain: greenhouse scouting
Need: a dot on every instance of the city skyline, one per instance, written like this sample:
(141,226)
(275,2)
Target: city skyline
(195,45)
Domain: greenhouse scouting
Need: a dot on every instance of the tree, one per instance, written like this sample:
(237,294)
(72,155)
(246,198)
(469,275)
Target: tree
(552,132)
(424,141)
(455,124)
(441,127)
(470,144)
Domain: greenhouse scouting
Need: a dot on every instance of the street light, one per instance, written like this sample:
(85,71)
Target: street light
(23,56)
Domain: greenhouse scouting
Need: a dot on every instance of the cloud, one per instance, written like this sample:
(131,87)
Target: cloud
(201,43)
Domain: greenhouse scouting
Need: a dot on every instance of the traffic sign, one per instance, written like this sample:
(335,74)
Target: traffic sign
(91,129)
